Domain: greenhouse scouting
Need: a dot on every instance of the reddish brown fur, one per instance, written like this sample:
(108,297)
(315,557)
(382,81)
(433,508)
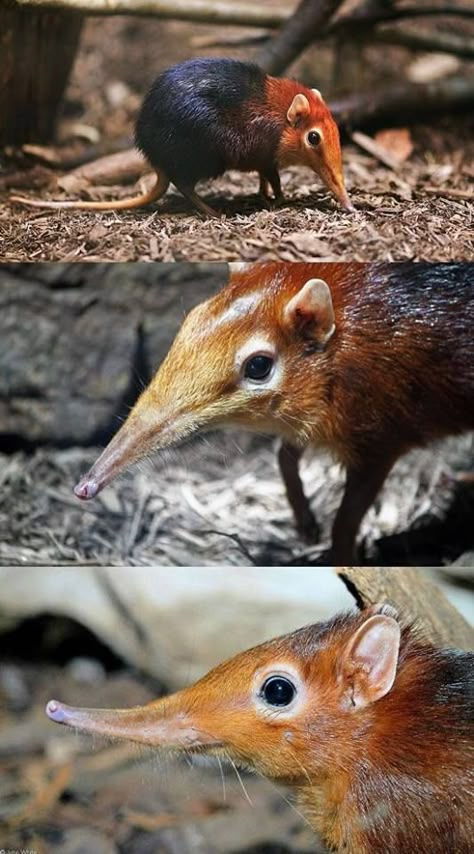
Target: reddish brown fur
(398,372)
(394,777)
(353,364)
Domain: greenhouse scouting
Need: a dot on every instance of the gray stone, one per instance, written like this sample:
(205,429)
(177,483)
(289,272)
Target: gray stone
(78,341)
(176,624)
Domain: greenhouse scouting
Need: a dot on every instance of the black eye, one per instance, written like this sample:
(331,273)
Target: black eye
(258,367)
(278,691)
(314,138)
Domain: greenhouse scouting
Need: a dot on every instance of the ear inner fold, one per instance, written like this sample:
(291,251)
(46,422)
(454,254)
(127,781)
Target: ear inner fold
(369,660)
(311,313)
(298,109)
(317,93)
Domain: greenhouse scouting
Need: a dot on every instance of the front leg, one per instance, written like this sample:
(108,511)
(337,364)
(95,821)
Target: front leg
(363,482)
(288,459)
(270,180)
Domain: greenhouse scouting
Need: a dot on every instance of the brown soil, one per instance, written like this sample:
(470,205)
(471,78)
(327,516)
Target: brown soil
(396,218)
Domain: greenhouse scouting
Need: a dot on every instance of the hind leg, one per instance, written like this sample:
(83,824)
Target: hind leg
(190,194)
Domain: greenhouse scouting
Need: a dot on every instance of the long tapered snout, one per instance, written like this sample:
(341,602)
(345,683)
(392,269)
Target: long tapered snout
(125,447)
(176,404)
(330,170)
(343,199)
(147,428)
(334,181)
(162,723)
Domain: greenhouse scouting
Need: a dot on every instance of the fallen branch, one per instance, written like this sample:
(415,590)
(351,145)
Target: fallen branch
(414,595)
(119,168)
(403,102)
(311,23)
(369,15)
(122,167)
(450,193)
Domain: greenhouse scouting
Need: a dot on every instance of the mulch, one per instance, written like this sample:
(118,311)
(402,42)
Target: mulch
(221,502)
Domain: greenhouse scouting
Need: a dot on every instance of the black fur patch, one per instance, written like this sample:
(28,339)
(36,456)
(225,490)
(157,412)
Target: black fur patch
(189,121)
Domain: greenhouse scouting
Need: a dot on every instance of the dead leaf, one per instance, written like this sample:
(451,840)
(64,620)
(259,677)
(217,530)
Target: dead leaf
(97,233)
(397,142)
(367,143)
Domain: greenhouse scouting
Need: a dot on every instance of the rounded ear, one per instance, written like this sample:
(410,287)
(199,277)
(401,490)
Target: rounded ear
(298,109)
(318,94)
(310,312)
(368,664)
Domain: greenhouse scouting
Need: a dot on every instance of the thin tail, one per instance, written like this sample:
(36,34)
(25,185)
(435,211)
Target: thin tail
(156,192)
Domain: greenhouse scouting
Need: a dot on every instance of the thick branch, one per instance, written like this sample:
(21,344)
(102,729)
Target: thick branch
(415,596)
(238,13)
(199,11)
(403,102)
(298,32)
(367,14)
(434,41)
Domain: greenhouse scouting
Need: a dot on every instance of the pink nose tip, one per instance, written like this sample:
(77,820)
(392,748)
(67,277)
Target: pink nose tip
(86,489)
(55,712)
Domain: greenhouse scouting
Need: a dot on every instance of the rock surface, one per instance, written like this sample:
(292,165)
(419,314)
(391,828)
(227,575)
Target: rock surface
(78,341)
(175,624)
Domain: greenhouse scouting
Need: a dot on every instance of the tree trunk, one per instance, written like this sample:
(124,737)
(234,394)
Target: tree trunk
(415,596)
(37,49)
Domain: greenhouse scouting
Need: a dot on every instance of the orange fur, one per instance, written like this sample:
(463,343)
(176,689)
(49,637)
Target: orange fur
(393,777)
(325,159)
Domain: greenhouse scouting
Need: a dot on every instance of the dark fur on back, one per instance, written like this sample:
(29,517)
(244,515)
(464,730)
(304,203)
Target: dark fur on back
(410,330)
(192,122)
